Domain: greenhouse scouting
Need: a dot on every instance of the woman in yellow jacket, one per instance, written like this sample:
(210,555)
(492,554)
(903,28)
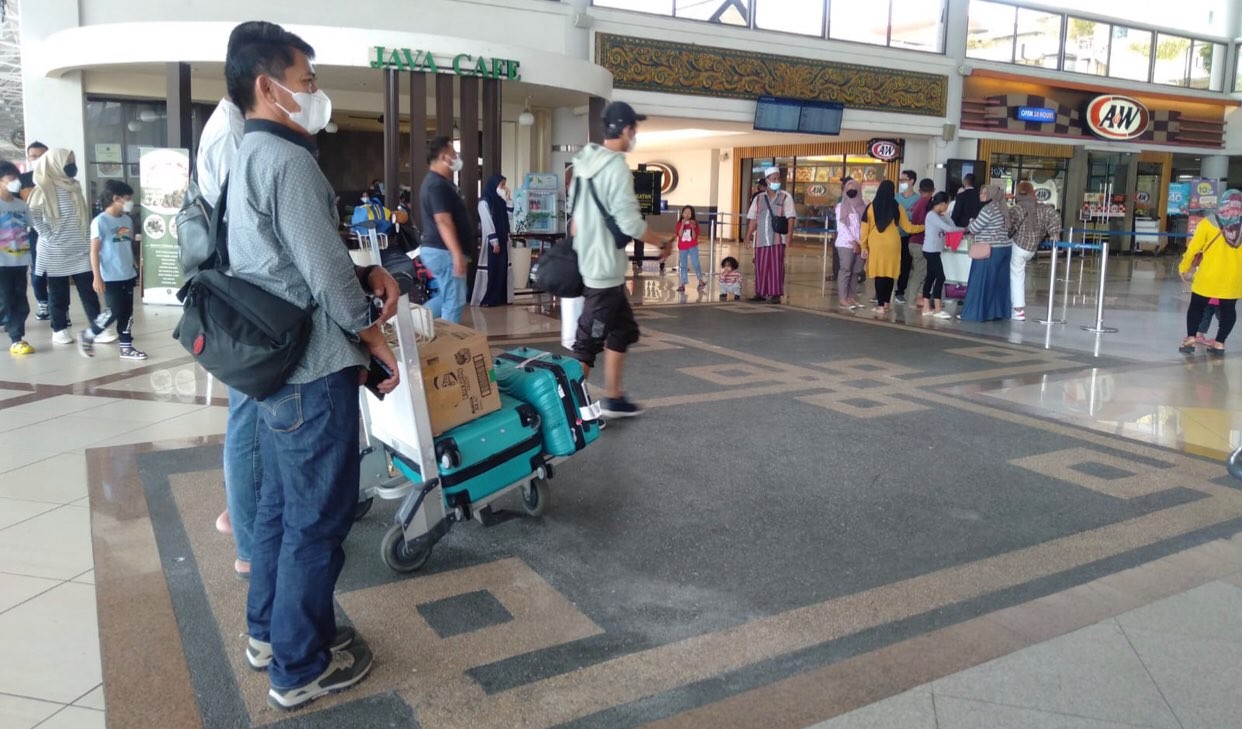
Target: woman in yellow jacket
(1219,273)
(880,237)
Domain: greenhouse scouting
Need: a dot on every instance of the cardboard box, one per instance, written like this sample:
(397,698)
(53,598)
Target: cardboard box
(458,375)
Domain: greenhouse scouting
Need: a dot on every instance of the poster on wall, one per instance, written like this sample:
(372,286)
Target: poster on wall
(1179,198)
(108,160)
(1204,194)
(163,176)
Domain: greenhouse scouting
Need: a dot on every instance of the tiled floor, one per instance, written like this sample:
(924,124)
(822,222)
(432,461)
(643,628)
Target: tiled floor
(1170,664)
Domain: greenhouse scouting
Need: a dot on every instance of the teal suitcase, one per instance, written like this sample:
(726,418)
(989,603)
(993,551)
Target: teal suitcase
(481,457)
(556,387)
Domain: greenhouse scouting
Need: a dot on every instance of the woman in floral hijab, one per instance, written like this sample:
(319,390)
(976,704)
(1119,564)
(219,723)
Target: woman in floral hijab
(1213,262)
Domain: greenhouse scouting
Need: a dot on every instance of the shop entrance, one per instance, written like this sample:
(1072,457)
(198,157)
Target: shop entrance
(1108,204)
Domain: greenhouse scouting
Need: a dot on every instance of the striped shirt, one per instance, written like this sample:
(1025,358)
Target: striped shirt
(991,226)
(65,251)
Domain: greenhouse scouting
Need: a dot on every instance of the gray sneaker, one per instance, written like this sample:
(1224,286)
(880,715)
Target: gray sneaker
(259,654)
(347,668)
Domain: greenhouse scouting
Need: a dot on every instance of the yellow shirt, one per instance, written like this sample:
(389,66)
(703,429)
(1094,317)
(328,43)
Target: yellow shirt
(1220,272)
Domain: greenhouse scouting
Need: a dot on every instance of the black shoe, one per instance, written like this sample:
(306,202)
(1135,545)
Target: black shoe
(737,297)
(758,299)
(620,408)
(774,300)
(724,297)
(900,298)
(661,269)
(346,669)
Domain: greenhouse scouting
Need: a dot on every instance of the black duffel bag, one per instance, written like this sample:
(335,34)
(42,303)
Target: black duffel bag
(245,337)
(558,272)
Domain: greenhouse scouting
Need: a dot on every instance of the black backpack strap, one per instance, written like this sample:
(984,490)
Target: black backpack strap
(618,236)
(219,227)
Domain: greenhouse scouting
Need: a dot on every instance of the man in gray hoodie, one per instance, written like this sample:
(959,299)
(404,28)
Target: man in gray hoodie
(605,218)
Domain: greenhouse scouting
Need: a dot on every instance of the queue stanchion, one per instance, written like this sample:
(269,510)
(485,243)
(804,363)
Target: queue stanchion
(1052,289)
(711,241)
(1099,327)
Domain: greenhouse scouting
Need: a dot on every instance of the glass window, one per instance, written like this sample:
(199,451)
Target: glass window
(990,36)
(861,22)
(1130,56)
(917,25)
(1188,16)
(1203,72)
(1086,47)
(1237,72)
(1038,38)
(1172,60)
(657,7)
(729,12)
(791,16)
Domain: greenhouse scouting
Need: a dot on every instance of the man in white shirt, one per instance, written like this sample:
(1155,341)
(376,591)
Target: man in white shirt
(222,136)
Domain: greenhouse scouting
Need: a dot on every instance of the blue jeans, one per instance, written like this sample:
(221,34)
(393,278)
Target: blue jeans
(450,295)
(243,469)
(690,256)
(308,435)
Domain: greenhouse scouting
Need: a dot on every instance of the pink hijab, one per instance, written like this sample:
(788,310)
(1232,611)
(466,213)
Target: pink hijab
(855,205)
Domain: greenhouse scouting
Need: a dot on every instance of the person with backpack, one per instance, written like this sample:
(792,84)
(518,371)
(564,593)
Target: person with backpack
(606,217)
(772,216)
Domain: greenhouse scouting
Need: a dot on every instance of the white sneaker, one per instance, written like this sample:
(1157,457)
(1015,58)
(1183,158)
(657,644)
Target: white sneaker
(942,315)
(107,336)
(62,337)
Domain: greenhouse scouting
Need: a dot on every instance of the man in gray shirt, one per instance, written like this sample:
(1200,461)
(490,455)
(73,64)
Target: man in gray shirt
(283,238)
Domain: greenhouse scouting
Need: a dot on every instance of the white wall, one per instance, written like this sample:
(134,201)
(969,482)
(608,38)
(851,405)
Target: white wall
(53,108)
(694,173)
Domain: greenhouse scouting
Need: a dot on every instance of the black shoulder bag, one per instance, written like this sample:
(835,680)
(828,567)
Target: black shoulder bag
(779,225)
(245,337)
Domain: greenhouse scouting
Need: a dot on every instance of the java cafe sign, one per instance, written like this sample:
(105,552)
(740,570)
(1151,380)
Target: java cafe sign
(463,64)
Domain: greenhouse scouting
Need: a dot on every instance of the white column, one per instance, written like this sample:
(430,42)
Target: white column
(569,134)
(957,21)
(1215,167)
(54,108)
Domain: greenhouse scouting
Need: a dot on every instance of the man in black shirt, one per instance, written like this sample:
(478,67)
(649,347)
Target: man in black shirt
(37,282)
(446,231)
(967,205)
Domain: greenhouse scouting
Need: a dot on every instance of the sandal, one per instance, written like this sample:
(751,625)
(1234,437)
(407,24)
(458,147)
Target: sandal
(1213,348)
(1188,346)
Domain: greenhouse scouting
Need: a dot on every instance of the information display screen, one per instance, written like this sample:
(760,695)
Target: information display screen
(775,114)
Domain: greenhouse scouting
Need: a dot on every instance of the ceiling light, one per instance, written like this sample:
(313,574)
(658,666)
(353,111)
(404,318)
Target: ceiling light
(148,115)
(526,118)
(135,125)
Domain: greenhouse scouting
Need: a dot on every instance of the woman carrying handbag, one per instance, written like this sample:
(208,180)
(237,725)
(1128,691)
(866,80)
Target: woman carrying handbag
(987,292)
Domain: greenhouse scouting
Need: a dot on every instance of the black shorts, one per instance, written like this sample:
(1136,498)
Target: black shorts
(607,321)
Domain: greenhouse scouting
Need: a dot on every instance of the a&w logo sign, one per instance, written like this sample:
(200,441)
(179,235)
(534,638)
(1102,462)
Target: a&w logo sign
(1117,117)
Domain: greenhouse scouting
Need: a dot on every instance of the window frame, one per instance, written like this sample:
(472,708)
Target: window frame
(1216,42)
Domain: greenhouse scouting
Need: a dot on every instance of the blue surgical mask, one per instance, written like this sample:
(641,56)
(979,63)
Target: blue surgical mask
(774,186)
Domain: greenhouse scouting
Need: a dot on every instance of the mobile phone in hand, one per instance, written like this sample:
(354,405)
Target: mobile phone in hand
(377,373)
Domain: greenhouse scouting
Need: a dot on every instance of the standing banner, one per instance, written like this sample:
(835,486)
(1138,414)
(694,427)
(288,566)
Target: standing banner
(163,176)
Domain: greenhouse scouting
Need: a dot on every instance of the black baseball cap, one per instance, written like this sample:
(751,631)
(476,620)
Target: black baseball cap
(618,115)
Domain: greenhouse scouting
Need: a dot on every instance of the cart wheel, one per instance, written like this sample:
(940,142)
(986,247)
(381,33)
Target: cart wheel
(400,555)
(363,508)
(536,496)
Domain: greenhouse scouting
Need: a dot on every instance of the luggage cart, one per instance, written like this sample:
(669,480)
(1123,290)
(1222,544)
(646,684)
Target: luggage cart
(956,274)
(400,459)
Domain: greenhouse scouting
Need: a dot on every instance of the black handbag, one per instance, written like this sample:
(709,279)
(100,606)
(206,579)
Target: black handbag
(556,271)
(780,226)
(247,338)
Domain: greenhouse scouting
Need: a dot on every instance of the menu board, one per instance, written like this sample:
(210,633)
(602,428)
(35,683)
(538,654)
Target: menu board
(647,186)
(163,176)
(1204,194)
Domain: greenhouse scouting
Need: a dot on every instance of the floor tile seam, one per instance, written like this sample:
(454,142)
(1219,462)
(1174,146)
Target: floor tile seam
(56,713)
(37,501)
(1062,427)
(32,698)
(74,703)
(1069,715)
(1147,670)
(59,584)
(1181,636)
(36,516)
(935,711)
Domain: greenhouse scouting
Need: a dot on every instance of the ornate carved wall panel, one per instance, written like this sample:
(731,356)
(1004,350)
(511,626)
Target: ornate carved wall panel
(650,65)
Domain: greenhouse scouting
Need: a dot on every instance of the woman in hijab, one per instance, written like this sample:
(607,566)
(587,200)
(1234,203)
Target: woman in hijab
(880,238)
(849,247)
(1213,263)
(58,212)
(491,283)
(987,291)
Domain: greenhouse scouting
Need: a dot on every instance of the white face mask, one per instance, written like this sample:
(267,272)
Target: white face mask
(128,207)
(456,164)
(774,186)
(315,112)
(633,143)
(904,187)
(14,186)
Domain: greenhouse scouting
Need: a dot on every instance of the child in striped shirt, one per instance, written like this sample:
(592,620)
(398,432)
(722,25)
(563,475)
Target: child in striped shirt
(730,280)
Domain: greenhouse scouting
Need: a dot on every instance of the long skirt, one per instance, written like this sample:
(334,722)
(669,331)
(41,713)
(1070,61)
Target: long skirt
(491,281)
(770,271)
(987,292)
